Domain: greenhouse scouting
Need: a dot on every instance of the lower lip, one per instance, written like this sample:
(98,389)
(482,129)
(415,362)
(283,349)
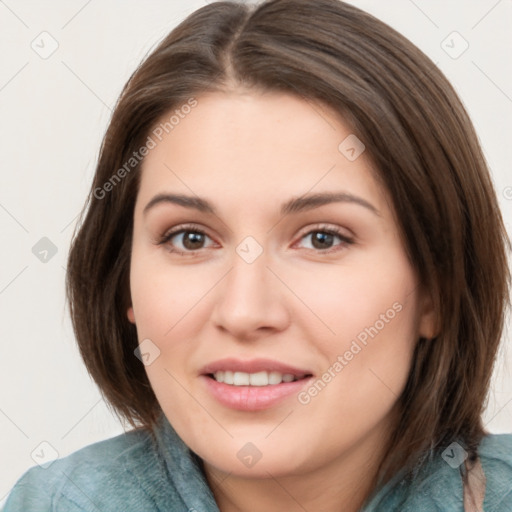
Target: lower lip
(253,398)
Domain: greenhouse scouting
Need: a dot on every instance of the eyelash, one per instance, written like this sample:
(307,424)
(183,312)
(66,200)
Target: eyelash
(192,228)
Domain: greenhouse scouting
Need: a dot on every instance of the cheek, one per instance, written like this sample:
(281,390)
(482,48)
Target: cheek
(371,373)
(165,301)
(368,327)
(162,295)
(170,305)
(345,300)
(367,365)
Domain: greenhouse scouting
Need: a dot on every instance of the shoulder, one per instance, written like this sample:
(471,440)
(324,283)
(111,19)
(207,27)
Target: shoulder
(496,458)
(90,478)
(497,447)
(440,488)
(445,482)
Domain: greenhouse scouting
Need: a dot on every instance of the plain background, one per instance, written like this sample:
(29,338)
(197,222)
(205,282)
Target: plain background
(53,114)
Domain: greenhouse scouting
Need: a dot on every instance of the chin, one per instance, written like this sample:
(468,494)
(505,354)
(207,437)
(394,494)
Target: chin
(258,459)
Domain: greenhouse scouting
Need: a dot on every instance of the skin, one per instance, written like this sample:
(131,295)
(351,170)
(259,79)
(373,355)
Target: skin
(299,302)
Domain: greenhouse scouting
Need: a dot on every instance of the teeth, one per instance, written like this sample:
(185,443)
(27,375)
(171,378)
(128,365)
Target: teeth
(253,379)
(241,379)
(275,378)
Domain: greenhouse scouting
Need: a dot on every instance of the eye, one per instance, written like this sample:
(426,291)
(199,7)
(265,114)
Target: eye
(191,238)
(187,239)
(323,237)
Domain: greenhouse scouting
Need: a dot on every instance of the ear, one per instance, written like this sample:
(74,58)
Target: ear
(429,321)
(130,314)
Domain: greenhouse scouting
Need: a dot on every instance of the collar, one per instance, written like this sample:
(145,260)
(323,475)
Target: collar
(173,476)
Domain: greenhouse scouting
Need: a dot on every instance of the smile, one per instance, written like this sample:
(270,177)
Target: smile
(252,385)
(262,378)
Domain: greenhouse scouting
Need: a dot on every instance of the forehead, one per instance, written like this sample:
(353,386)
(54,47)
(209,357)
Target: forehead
(251,145)
(222,123)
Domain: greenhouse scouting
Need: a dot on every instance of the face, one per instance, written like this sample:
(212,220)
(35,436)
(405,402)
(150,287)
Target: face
(279,322)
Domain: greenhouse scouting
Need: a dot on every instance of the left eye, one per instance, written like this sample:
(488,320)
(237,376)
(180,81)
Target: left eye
(321,238)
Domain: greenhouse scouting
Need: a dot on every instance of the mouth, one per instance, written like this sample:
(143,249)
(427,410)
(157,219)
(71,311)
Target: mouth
(253,385)
(260,379)
(253,372)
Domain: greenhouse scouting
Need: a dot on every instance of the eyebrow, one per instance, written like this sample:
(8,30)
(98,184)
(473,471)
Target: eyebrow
(294,205)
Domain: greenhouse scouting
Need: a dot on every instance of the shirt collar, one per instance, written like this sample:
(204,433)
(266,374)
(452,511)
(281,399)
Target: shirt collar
(183,468)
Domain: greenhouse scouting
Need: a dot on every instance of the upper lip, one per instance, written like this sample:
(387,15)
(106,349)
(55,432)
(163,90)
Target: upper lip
(252,366)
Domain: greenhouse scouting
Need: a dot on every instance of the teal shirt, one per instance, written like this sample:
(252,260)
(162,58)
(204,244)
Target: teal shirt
(134,473)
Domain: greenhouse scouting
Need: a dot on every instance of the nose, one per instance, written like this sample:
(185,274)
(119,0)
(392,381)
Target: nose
(251,300)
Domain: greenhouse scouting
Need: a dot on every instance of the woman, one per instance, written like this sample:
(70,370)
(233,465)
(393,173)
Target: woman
(290,278)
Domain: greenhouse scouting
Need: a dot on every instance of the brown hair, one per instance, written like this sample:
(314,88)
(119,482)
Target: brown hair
(424,148)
